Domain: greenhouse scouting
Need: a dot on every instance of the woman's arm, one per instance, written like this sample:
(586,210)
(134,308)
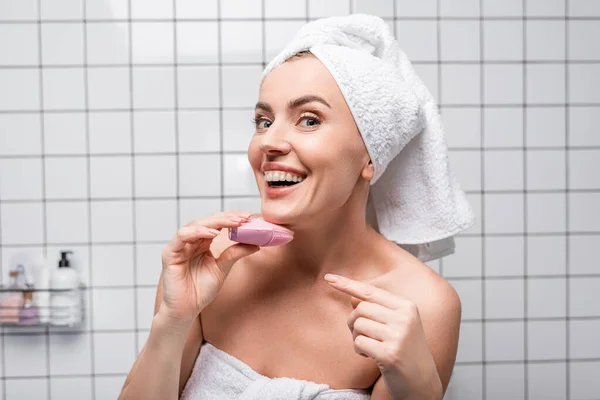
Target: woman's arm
(166,360)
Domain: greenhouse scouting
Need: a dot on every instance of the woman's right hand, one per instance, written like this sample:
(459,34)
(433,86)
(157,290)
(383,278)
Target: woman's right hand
(191,276)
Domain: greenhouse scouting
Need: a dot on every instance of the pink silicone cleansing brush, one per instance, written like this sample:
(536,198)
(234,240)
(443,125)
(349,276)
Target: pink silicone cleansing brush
(259,232)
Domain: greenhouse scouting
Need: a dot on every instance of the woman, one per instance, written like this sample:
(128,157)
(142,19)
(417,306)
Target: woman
(387,328)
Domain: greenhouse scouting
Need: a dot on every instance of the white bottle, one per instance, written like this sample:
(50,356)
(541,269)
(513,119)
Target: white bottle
(64,301)
(41,274)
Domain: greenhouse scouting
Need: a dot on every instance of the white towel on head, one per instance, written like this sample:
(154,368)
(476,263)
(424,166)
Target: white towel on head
(416,201)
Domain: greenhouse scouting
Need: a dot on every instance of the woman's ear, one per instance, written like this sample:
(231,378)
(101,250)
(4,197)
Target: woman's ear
(368,171)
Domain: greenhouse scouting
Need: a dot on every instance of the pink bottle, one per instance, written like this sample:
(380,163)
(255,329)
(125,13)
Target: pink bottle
(259,232)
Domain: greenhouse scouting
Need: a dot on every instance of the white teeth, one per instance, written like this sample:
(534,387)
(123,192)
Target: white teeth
(274,176)
(288,177)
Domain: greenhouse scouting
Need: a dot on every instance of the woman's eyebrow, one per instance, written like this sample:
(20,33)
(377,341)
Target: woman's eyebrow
(300,101)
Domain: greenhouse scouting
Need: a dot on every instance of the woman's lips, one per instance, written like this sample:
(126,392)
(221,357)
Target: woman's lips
(275,192)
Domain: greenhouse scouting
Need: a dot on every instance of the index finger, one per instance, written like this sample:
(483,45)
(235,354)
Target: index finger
(365,291)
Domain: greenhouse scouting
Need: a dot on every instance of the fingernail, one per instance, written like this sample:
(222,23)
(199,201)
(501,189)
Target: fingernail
(331,277)
(214,231)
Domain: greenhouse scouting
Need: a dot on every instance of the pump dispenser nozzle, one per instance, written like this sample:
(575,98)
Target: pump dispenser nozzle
(64,260)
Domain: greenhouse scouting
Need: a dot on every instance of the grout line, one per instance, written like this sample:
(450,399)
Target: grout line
(525,208)
(220,107)
(482,183)
(567,222)
(438,24)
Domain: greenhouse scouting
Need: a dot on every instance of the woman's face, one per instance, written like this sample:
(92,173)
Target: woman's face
(303,124)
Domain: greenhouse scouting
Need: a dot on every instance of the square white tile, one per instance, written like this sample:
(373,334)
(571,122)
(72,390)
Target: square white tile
(145,307)
(505,381)
(108,387)
(152,42)
(462,127)
(112,221)
(429,76)
(107,43)
(466,165)
(100,9)
(241,9)
(112,265)
(65,133)
(25,355)
(459,8)
(547,381)
(66,177)
(67,222)
(546,340)
(546,126)
(192,50)
(582,126)
(459,40)
(506,8)
(110,132)
(584,8)
(503,127)
(238,176)
(381,8)
(114,352)
(320,9)
(466,261)
(545,169)
(503,84)
(148,263)
(62,43)
(108,88)
(545,83)
(114,309)
(583,167)
(504,298)
(15,216)
(152,9)
(546,212)
(68,9)
(17,389)
(20,89)
(76,387)
(23,49)
(21,178)
(584,214)
(193,209)
(20,134)
(546,298)
(583,295)
(460,84)
(504,213)
(583,86)
(70,354)
(199,130)
(194,9)
(466,383)
(504,341)
(503,170)
(503,40)
(278,34)
(475,202)
(426,48)
(64,89)
(238,129)
(583,339)
(110,177)
(470,341)
(240,85)
(250,204)
(584,382)
(241,41)
(285,9)
(155,176)
(545,8)
(470,294)
(154,131)
(200,175)
(546,255)
(545,40)
(23,10)
(582,250)
(153,87)
(198,86)
(504,255)
(411,8)
(155,220)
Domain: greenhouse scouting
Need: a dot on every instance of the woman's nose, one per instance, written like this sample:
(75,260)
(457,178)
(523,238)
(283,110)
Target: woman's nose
(274,141)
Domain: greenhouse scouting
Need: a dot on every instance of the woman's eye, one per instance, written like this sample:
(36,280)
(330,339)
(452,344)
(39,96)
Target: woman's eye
(263,124)
(310,122)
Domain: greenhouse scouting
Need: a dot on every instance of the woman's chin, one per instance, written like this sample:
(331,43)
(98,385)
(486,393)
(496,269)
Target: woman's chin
(278,215)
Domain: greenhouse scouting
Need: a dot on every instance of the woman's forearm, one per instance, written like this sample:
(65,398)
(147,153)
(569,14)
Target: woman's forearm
(156,372)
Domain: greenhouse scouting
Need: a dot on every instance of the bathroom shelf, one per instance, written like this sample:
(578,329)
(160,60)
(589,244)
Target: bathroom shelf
(68,315)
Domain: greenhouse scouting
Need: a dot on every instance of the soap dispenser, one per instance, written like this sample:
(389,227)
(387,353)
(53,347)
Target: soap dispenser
(64,301)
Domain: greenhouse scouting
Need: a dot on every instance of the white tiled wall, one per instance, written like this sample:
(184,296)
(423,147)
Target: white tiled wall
(121,120)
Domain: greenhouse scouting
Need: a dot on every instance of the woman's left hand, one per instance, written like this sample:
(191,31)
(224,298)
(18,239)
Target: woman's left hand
(388,329)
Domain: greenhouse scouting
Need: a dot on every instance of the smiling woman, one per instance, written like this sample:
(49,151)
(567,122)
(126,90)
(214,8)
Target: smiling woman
(342,311)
